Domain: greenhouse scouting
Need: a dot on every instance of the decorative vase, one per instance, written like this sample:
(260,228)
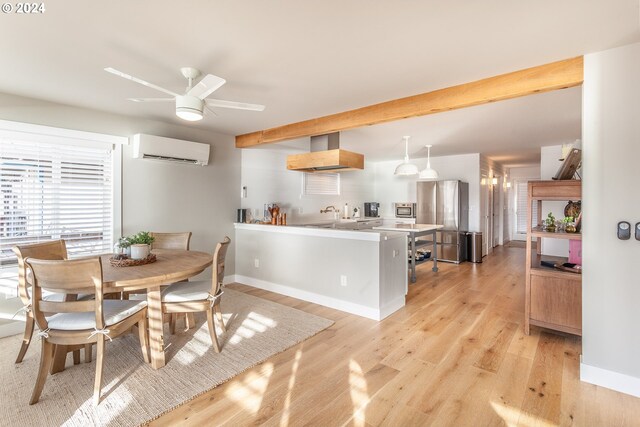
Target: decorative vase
(570,227)
(139,251)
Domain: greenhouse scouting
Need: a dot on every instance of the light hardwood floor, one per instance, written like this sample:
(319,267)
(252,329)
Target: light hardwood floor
(455,355)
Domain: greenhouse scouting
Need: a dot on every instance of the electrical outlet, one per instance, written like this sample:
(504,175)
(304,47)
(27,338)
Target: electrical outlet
(300,211)
(343,280)
(396,253)
(256,263)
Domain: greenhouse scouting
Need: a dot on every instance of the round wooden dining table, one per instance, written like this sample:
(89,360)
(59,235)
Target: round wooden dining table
(171,266)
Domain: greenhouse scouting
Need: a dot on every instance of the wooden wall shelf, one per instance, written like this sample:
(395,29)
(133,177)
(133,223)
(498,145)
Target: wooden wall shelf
(553,298)
(539,232)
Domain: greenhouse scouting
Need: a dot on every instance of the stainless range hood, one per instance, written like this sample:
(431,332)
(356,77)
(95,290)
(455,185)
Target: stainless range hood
(326,156)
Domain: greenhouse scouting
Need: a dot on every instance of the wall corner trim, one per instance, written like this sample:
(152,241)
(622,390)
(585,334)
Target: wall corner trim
(610,379)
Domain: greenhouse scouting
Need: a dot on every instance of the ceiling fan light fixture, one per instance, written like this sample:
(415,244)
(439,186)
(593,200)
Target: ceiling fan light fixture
(428,172)
(189,108)
(406,168)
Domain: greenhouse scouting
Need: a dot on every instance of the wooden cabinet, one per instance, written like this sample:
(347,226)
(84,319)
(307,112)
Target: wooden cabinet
(553,298)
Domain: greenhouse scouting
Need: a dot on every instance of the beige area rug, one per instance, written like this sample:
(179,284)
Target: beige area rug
(133,392)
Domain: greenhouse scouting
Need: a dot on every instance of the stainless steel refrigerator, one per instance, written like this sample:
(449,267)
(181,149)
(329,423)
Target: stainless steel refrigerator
(445,203)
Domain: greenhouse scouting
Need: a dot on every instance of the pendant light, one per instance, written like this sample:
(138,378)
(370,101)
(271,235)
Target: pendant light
(406,167)
(428,173)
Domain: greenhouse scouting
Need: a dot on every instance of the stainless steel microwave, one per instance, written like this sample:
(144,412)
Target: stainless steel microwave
(405,210)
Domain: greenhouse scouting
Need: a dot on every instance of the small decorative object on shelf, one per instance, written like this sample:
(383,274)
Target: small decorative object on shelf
(569,224)
(573,209)
(550,223)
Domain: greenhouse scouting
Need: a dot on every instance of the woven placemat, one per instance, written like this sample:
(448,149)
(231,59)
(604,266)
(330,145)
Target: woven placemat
(128,262)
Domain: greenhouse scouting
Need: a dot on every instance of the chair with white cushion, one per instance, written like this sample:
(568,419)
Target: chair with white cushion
(204,295)
(79,322)
(52,250)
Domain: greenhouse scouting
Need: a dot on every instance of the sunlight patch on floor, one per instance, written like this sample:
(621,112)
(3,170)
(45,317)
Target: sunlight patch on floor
(197,349)
(254,323)
(248,393)
(284,420)
(513,417)
(359,393)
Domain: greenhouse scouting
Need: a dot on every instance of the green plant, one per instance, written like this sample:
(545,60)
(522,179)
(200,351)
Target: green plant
(124,242)
(567,219)
(142,238)
(550,221)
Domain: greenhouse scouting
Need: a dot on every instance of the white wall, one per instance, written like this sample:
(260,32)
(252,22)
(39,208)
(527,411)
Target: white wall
(549,164)
(265,174)
(156,196)
(391,188)
(611,284)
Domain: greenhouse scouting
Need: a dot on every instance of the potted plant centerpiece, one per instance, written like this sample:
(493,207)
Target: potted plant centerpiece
(140,245)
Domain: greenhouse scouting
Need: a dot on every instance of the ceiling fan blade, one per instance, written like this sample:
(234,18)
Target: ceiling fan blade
(236,105)
(152,99)
(206,86)
(137,80)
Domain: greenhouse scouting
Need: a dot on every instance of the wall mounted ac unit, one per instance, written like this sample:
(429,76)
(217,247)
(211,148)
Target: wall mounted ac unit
(170,150)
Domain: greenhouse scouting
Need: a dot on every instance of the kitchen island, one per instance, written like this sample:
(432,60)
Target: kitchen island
(414,231)
(362,272)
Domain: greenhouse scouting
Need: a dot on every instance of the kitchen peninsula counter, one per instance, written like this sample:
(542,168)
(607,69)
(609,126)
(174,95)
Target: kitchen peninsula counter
(363,272)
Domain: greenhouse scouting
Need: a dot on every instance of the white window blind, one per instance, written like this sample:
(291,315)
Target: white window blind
(55,189)
(522,207)
(319,184)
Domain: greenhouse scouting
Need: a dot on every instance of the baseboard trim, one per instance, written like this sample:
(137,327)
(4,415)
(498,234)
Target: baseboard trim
(349,307)
(613,380)
(13,328)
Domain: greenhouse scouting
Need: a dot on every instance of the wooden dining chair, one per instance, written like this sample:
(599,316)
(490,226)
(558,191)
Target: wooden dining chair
(171,240)
(51,250)
(79,322)
(203,295)
(179,241)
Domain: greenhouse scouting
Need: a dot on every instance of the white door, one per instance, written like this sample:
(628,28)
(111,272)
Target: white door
(521,203)
(485,210)
(495,214)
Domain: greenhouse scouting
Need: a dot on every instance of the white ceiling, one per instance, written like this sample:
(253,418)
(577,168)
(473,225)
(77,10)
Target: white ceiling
(510,132)
(306,59)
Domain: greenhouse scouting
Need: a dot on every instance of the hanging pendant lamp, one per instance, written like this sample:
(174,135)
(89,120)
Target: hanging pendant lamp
(428,173)
(406,168)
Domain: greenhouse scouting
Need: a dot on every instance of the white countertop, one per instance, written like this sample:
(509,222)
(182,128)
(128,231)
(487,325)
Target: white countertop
(366,234)
(410,228)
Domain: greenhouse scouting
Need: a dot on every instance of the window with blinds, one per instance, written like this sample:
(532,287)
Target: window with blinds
(55,188)
(522,207)
(321,184)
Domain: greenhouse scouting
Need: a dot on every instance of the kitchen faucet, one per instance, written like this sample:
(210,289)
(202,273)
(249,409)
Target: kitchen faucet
(336,212)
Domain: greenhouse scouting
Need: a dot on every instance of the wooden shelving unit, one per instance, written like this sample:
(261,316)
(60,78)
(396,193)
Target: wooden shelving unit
(553,297)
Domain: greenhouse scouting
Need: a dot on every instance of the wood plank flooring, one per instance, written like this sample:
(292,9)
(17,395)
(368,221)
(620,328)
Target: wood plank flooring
(455,355)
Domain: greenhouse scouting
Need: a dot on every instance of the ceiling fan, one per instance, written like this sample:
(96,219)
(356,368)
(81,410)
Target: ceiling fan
(190,105)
